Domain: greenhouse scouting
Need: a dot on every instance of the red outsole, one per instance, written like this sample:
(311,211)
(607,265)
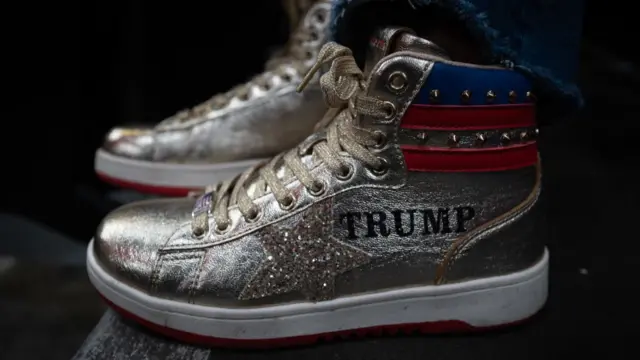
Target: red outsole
(144,188)
(439,327)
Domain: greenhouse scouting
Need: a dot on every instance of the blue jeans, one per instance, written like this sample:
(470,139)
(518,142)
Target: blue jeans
(541,38)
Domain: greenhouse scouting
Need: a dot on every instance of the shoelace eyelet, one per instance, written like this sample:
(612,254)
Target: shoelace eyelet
(382,169)
(198,232)
(381,139)
(290,203)
(318,189)
(346,173)
(265,87)
(253,215)
(320,16)
(397,82)
(390,110)
(220,230)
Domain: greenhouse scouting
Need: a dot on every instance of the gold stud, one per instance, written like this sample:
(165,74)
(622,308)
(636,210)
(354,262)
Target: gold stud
(465,96)
(530,96)
(491,96)
(480,139)
(423,136)
(513,96)
(505,138)
(434,95)
(453,140)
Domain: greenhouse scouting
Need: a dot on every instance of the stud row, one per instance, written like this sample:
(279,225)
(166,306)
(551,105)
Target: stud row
(490,96)
(505,138)
(466,139)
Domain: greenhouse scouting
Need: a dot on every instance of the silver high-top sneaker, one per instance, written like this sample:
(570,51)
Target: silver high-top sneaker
(231,132)
(415,208)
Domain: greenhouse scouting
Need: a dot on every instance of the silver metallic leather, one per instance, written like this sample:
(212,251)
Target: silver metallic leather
(156,250)
(266,122)
(131,236)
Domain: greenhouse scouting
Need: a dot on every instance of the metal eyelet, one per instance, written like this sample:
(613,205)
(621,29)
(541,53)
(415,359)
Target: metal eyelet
(381,139)
(266,87)
(318,190)
(397,82)
(382,170)
(221,230)
(198,232)
(346,174)
(253,215)
(320,16)
(290,203)
(390,110)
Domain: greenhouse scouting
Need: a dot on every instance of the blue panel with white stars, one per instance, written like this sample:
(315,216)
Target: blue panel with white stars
(452,80)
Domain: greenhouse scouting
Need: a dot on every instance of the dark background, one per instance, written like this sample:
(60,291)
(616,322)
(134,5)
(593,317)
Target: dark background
(72,71)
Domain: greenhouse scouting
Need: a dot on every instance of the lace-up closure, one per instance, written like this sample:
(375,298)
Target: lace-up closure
(284,64)
(344,90)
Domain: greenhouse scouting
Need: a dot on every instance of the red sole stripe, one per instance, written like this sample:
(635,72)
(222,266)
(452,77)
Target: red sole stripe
(144,188)
(460,118)
(437,327)
(420,158)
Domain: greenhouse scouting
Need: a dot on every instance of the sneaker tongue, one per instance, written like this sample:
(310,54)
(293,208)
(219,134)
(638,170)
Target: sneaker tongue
(388,40)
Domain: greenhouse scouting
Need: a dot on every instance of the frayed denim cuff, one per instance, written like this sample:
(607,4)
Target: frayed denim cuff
(537,37)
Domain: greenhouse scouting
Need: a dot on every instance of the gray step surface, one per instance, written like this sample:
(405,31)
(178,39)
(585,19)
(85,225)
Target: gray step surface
(115,339)
(31,241)
(46,310)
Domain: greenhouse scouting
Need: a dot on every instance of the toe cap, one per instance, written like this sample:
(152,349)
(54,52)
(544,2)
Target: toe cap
(127,241)
(131,142)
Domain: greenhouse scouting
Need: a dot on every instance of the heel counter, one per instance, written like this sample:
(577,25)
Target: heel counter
(509,243)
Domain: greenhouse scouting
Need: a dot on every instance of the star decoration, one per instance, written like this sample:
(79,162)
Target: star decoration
(305,258)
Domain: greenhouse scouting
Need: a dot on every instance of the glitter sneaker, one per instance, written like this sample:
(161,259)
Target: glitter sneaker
(415,208)
(232,131)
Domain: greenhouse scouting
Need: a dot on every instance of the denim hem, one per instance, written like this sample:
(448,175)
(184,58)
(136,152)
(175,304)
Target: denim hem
(564,96)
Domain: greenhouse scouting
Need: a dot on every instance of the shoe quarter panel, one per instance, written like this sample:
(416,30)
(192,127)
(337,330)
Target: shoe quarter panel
(408,231)
(263,128)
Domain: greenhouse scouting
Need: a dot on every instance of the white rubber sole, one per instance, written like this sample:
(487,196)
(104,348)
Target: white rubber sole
(480,303)
(165,175)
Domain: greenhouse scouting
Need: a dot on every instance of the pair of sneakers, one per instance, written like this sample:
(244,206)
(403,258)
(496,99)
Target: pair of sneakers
(412,206)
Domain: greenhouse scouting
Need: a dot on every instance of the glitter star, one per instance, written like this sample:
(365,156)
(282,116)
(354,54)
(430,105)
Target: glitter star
(304,258)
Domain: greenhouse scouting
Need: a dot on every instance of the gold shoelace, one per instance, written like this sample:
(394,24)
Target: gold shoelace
(344,90)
